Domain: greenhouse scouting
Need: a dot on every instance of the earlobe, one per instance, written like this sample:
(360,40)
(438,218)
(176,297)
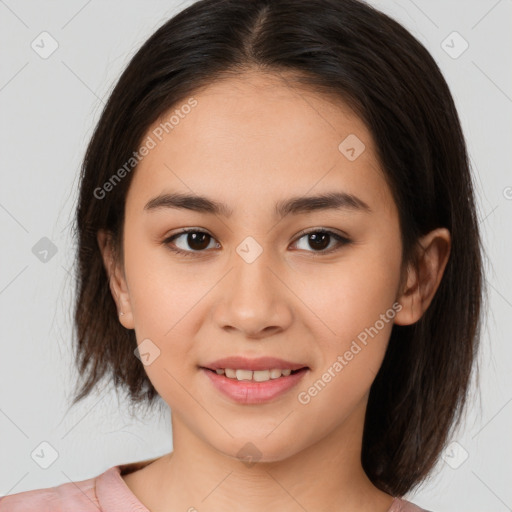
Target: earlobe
(117,281)
(423,278)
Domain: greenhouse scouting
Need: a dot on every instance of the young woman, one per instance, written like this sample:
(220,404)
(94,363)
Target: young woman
(277,237)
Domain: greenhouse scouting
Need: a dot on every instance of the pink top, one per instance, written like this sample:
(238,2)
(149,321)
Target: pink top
(107,492)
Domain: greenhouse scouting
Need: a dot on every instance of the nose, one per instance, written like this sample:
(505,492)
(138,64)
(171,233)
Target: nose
(254,298)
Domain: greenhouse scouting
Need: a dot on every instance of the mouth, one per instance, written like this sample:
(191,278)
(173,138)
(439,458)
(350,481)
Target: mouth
(253,381)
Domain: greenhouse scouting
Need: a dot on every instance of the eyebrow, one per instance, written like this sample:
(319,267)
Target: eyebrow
(292,206)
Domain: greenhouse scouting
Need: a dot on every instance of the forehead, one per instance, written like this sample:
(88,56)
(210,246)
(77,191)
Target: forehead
(258,136)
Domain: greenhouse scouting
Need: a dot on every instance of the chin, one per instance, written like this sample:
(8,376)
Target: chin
(259,449)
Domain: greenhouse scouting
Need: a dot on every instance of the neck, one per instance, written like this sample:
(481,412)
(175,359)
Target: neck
(326,475)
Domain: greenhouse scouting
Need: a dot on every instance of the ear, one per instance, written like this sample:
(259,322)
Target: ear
(117,280)
(423,279)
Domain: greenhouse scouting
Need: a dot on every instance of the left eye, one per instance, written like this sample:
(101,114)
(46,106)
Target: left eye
(320,239)
(199,240)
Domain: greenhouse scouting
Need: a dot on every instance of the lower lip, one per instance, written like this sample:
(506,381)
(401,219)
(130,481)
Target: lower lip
(251,392)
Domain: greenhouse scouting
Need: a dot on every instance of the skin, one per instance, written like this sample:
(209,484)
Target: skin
(249,143)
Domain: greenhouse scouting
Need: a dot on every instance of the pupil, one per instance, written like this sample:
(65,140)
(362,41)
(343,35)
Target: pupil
(196,241)
(319,240)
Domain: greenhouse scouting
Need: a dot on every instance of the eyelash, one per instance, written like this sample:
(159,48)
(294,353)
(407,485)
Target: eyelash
(339,238)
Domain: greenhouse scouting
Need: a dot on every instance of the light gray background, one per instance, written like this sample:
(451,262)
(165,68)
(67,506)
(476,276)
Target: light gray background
(48,110)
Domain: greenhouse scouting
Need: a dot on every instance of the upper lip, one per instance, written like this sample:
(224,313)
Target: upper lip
(259,363)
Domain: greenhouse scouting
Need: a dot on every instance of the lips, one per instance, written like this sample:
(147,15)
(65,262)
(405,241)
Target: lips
(253,391)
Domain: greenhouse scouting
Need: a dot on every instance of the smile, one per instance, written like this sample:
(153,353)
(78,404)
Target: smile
(245,388)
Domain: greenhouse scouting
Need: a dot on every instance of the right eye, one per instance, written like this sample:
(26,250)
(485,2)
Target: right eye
(196,239)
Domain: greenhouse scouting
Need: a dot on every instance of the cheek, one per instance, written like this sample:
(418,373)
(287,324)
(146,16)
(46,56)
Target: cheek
(162,302)
(162,294)
(360,316)
(353,294)
(356,304)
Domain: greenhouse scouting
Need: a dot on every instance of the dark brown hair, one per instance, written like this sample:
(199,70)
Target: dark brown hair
(349,50)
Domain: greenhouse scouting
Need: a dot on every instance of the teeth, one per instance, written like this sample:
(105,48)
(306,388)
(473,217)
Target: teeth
(261,375)
(257,375)
(275,374)
(243,374)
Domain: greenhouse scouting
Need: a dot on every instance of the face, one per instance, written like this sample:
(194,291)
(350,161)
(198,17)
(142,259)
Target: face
(314,284)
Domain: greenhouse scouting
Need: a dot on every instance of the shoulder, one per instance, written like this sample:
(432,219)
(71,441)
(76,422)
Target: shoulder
(76,496)
(400,505)
(106,491)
